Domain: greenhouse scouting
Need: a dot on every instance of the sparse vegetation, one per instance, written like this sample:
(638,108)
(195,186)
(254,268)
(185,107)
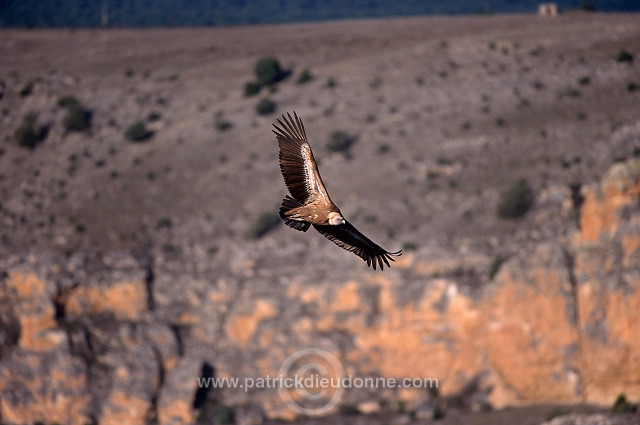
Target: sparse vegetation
(154,116)
(516,200)
(584,80)
(556,412)
(268,71)
(570,92)
(68,101)
(77,119)
(222,124)
(29,134)
(266,222)
(266,106)
(27,89)
(340,142)
(304,77)
(251,88)
(349,409)
(331,83)
(383,148)
(622,405)
(137,132)
(624,56)
(409,246)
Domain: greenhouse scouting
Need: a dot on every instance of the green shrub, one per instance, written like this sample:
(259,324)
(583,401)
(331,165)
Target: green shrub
(251,88)
(584,81)
(266,106)
(304,77)
(154,116)
(409,246)
(222,124)
(515,200)
(348,409)
(137,132)
(268,71)
(622,405)
(29,134)
(556,412)
(77,119)
(27,89)
(68,101)
(340,142)
(266,222)
(624,56)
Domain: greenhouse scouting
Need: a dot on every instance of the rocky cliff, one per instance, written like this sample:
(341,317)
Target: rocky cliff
(104,338)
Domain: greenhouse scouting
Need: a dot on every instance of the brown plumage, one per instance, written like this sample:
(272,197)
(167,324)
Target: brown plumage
(309,203)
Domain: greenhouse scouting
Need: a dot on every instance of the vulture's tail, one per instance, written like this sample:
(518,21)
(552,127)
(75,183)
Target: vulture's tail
(288,203)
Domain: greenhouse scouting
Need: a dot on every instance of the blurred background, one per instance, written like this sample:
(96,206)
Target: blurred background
(141,252)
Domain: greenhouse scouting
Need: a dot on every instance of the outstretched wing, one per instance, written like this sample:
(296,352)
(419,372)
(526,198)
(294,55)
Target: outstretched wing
(297,164)
(348,237)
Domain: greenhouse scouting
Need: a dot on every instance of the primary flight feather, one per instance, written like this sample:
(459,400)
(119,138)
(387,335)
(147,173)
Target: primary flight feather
(309,203)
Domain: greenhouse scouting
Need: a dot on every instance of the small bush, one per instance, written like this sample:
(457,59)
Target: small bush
(222,124)
(137,132)
(266,222)
(251,88)
(515,200)
(268,71)
(340,142)
(29,134)
(68,101)
(556,412)
(349,409)
(409,246)
(266,106)
(77,119)
(624,56)
(27,89)
(154,116)
(304,77)
(584,81)
(621,405)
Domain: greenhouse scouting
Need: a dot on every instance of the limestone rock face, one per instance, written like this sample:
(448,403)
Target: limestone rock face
(117,338)
(607,273)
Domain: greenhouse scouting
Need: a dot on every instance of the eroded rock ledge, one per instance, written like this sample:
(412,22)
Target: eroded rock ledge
(103,339)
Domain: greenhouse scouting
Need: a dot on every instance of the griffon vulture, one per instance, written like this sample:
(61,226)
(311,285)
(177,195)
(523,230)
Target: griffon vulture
(309,203)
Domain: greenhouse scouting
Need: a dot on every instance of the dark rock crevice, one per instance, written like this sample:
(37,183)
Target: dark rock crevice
(177,331)
(573,307)
(162,373)
(573,312)
(149,280)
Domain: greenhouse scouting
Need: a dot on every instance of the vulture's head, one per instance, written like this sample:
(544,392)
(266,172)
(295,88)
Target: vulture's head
(335,219)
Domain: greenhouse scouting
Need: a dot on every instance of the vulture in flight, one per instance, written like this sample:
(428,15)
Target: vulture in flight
(309,203)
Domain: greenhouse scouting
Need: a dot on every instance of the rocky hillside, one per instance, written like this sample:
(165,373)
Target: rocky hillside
(134,264)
